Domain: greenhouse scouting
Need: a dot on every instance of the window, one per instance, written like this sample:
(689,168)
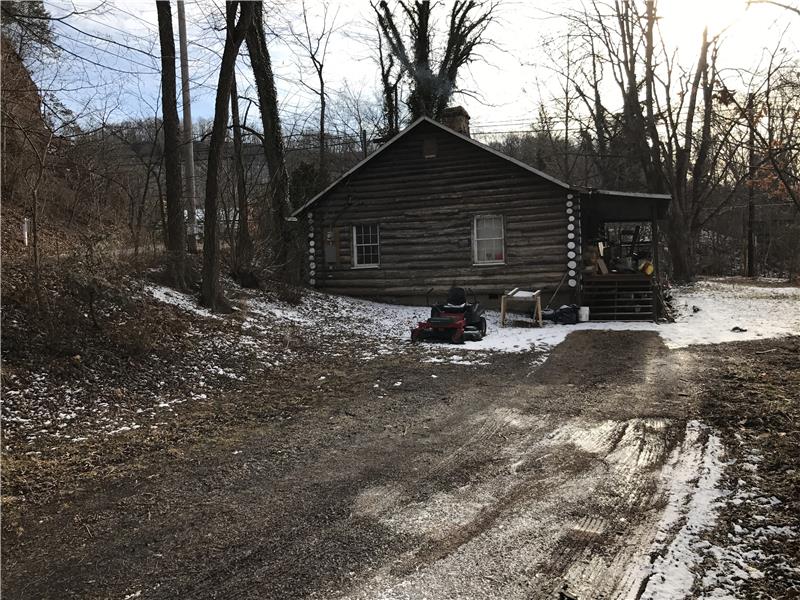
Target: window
(487,240)
(366,246)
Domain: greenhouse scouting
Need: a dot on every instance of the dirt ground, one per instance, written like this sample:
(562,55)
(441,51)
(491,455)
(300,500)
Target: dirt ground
(397,478)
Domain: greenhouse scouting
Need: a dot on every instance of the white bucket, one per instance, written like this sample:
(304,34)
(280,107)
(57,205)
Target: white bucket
(583,314)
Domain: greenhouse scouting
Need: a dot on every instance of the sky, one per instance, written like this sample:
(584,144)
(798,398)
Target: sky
(119,78)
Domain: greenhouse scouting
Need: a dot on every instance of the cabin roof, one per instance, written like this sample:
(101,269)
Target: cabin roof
(610,205)
(598,194)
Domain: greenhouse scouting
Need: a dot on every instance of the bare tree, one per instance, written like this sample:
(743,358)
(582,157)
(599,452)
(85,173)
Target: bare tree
(685,166)
(243,249)
(138,178)
(176,227)
(34,175)
(671,126)
(433,85)
(315,46)
(390,83)
(354,109)
(274,234)
(211,294)
(782,5)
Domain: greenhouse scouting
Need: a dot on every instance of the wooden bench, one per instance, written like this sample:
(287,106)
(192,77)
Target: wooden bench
(522,296)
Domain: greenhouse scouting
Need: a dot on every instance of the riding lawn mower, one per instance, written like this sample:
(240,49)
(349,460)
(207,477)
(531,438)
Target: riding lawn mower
(454,321)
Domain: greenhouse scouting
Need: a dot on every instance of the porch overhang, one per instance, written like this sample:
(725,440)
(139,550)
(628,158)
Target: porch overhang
(611,206)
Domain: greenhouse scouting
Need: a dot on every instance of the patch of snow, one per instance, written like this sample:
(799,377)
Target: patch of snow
(763,311)
(691,509)
(277,311)
(182,301)
(273,334)
(749,550)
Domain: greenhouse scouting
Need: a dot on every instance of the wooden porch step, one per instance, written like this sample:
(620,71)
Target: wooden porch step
(623,317)
(614,295)
(619,297)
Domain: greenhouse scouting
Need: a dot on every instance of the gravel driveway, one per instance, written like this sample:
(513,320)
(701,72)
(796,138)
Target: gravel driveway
(407,480)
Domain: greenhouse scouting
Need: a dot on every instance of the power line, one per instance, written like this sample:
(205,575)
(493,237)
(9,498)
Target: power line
(509,131)
(130,14)
(108,41)
(109,52)
(40,38)
(123,31)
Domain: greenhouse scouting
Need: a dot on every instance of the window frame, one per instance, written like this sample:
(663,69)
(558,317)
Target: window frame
(475,261)
(355,246)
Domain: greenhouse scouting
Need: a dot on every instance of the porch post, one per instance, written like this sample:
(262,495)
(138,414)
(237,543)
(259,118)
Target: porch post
(654,241)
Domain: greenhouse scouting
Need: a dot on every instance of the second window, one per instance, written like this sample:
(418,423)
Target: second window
(488,240)
(366,246)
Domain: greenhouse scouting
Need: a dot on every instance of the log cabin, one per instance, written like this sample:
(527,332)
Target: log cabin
(433,208)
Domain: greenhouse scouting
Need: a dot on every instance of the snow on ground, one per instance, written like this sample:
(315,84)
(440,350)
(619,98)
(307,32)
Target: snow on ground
(183,301)
(367,330)
(708,312)
(764,311)
(686,562)
(692,477)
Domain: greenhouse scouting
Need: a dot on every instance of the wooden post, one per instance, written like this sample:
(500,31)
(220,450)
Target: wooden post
(654,241)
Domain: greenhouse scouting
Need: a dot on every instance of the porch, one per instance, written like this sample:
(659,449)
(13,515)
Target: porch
(620,271)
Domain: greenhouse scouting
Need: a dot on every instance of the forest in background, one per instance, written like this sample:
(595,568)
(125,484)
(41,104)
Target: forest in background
(630,114)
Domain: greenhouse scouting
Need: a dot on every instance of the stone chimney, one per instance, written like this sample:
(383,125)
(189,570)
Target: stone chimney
(457,119)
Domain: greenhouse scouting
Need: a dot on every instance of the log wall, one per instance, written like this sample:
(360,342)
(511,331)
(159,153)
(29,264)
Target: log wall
(425,209)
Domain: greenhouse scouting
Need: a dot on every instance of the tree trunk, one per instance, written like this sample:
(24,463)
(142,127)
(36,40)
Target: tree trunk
(210,292)
(682,255)
(388,91)
(274,231)
(242,260)
(323,168)
(176,229)
(654,174)
(432,89)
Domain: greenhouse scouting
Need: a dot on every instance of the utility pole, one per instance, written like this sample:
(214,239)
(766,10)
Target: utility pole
(751,209)
(566,172)
(188,144)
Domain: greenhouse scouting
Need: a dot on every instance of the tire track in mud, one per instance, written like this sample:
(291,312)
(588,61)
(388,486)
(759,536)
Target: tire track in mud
(490,491)
(601,531)
(580,505)
(596,550)
(586,516)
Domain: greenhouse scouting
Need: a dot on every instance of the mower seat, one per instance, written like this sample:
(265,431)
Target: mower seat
(456,297)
